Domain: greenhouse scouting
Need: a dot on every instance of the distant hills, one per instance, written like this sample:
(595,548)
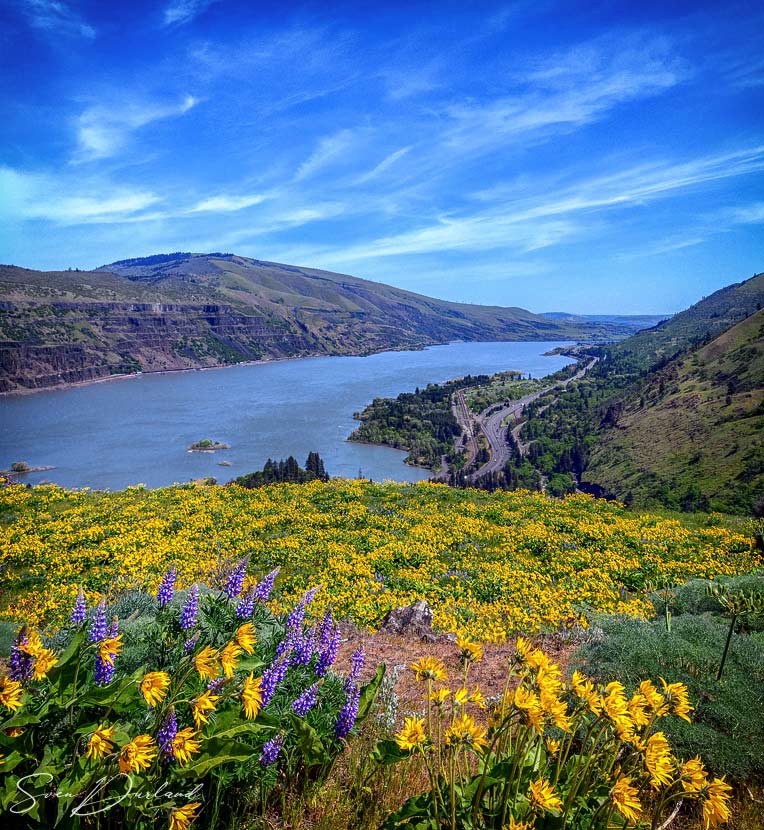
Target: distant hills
(184,310)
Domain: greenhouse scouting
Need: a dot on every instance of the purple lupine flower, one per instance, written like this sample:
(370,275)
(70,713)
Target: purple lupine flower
(265,586)
(21,663)
(98,626)
(346,719)
(288,644)
(303,649)
(357,661)
(272,676)
(271,750)
(216,686)
(324,633)
(329,653)
(190,644)
(236,579)
(296,615)
(246,605)
(104,671)
(167,587)
(310,595)
(306,701)
(190,609)
(79,612)
(166,735)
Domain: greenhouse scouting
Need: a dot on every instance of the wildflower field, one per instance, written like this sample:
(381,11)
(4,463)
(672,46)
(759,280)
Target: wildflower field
(490,564)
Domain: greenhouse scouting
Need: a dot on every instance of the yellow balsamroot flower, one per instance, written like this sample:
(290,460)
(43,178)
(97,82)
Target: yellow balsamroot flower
(101,742)
(654,698)
(542,796)
(246,638)
(469,652)
(461,697)
(678,698)
(229,657)
(625,799)
(616,707)
(109,648)
(639,709)
(557,710)
(206,663)
(716,798)
(154,686)
(477,698)
(516,825)
(10,693)
(33,645)
(43,663)
(429,668)
(412,735)
(201,706)
(584,689)
(185,744)
(529,705)
(181,818)
(552,746)
(523,648)
(252,696)
(658,760)
(693,775)
(439,696)
(137,755)
(465,732)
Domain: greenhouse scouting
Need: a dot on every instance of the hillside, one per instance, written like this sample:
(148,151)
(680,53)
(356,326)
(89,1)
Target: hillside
(694,429)
(175,311)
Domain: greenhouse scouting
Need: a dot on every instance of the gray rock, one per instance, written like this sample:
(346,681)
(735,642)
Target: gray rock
(413,621)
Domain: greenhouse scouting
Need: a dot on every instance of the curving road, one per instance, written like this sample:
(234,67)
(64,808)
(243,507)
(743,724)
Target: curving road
(490,422)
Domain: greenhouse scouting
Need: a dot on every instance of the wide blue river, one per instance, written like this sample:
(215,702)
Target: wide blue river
(137,430)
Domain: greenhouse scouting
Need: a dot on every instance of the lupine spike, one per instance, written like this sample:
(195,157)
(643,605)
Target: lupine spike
(166,735)
(190,609)
(21,663)
(271,750)
(272,677)
(167,587)
(265,586)
(98,626)
(347,716)
(324,634)
(79,612)
(246,606)
(306,701)
(357,661)
(329,654)
(236,579)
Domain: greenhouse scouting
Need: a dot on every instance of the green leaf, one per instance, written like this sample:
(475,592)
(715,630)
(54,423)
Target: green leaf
(309,742)
(369,694)
(216,751)
(388,752)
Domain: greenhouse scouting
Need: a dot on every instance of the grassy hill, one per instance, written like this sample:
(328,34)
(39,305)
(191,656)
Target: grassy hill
(182,310)
(694,428)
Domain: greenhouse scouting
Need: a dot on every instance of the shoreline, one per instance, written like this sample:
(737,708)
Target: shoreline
(76,384)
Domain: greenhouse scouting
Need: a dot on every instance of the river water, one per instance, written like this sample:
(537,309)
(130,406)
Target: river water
(137,429)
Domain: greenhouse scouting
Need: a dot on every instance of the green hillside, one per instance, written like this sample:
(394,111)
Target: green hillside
(694,429)
(176,311)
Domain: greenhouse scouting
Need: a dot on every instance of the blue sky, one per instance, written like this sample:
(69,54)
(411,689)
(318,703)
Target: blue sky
(601,157)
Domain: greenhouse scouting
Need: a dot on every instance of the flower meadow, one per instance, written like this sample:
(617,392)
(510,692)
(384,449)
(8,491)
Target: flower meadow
(489,564)
(192,710)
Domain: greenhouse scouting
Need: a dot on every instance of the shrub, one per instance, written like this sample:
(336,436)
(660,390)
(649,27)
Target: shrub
(199,707)
(728,724)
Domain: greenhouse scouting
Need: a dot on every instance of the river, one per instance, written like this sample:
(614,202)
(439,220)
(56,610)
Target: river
(137,429)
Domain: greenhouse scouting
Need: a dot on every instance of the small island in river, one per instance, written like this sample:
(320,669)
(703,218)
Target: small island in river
(208,446)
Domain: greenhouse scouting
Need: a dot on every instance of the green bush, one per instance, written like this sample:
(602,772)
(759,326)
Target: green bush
(728,723)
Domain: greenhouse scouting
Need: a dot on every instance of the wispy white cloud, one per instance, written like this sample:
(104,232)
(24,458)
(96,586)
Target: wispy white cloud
(38,196)
(227,204)
(329,150)
(103,130)
(387,161)
(180,12)
(56,17)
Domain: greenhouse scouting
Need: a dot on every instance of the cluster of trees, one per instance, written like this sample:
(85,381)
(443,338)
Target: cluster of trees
(421,422)
(277,472)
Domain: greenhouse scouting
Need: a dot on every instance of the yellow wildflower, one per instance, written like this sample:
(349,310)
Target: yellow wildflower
(101,742)
(109,648)
(43,663)
(138,754)
(252,696)
(412,735)
(246,638)
(10,693)
(429,668)
(716,798)
(654,698)
(552,746)
(154,686)
(678,698)
(461,697)
(469,652)
(477,698)
(206,663)
(185,744)
(201,706)
(542,796)
(639,708)
(229,656)
(439,696)
(658,760)
(693,775)
(625,798)
(181,818)
(464,731)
